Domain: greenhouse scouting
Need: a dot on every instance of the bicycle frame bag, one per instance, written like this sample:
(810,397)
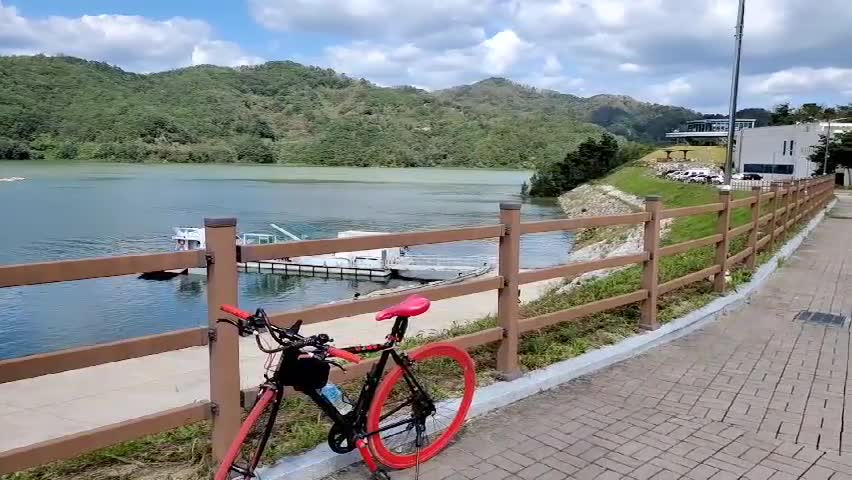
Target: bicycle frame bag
(304,373)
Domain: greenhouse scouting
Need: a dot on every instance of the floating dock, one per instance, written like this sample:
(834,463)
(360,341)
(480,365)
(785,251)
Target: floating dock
(293,268)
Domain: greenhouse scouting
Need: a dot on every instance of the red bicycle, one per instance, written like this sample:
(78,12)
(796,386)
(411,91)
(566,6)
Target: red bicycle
(398,419)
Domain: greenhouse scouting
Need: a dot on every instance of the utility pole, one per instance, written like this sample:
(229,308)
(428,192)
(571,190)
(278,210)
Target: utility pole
(735,86)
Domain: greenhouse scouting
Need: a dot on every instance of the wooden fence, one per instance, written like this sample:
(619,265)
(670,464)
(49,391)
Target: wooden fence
(772,213)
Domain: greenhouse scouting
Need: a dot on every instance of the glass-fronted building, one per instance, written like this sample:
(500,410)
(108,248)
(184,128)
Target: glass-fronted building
(710,128)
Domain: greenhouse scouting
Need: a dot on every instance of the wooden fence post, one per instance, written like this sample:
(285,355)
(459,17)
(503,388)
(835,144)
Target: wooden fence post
(723,225)
(829,191)
(807,207)
(507,296)
(751,260)
(650,268)
(797,196)
(224,342)
(807,193)
(774,205)
(788,195)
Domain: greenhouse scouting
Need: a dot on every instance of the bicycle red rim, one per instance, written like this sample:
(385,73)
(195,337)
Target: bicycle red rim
(400,461)
(225,467)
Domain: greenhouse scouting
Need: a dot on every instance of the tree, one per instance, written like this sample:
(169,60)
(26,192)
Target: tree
(13,149)
(782,115)
(840,153)
(810,112)
(592,159)
(251,149)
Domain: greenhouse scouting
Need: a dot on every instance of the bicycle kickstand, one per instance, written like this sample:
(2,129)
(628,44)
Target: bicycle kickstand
(418,445)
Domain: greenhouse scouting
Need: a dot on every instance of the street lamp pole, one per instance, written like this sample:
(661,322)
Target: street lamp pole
(735,85)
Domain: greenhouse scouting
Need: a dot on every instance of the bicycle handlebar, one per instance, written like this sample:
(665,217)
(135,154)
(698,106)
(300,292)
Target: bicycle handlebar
(241,314)
(296,341)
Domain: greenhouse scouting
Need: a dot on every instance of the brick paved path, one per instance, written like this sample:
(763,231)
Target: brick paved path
(755,395)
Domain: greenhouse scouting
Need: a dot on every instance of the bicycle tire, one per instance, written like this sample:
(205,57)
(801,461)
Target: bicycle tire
(247,447)
(443,428)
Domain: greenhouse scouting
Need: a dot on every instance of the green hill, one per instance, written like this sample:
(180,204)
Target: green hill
(63,107)
(621,115)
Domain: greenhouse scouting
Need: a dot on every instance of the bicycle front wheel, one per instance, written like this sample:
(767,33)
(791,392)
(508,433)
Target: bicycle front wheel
(243,456)
(438,372)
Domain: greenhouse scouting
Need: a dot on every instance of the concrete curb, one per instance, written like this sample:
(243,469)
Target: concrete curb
(321,461)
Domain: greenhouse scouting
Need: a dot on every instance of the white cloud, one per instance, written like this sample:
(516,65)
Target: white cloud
(133,42)
(630,67)
(409,64)
(502,51)
(218,52)
(792,81)
(552,65)
(673,90)
(375,19)
(677,32)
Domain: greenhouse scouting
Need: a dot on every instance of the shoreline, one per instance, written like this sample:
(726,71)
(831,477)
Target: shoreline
(92,161)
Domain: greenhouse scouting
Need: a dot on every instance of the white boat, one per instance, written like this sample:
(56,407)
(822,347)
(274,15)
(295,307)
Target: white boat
(367,263)
(12,179)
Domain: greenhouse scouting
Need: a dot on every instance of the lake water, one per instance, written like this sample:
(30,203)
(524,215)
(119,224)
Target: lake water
(66,211)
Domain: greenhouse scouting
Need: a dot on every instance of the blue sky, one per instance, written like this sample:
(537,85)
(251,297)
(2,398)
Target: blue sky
(667,51)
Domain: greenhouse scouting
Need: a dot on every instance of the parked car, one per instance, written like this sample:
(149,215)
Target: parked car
(716,179)
(747,176)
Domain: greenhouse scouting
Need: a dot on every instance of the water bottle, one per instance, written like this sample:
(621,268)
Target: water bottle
(337,398)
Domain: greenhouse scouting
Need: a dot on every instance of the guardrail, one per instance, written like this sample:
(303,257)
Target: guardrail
(772,213)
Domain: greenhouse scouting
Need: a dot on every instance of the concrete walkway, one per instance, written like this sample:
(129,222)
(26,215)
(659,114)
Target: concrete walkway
(757,395)
(50,406)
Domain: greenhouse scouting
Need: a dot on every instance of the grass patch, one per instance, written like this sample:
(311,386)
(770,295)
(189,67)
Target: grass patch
(701,154)
(184,453)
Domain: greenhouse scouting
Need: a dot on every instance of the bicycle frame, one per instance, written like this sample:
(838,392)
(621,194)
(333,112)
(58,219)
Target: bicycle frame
(353,424)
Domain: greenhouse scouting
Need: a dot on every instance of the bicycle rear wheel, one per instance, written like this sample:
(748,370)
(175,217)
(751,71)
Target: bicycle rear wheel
(243,456)
(440,371)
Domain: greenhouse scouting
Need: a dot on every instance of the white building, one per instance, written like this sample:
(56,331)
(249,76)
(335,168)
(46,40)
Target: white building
(709,128)
(781,152)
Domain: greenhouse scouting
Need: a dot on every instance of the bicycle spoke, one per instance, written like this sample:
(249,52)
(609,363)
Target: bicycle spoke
(396,409)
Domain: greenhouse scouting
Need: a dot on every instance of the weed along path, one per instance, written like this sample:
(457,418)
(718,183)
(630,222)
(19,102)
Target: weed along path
(760,393)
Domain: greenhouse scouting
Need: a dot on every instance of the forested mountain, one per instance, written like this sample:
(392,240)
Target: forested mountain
(621,115)
(64,107)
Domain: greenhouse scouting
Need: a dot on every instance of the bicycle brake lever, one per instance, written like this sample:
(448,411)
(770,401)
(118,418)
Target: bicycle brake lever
(242,328)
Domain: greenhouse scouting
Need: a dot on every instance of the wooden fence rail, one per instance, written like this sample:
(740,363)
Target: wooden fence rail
(771,214)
